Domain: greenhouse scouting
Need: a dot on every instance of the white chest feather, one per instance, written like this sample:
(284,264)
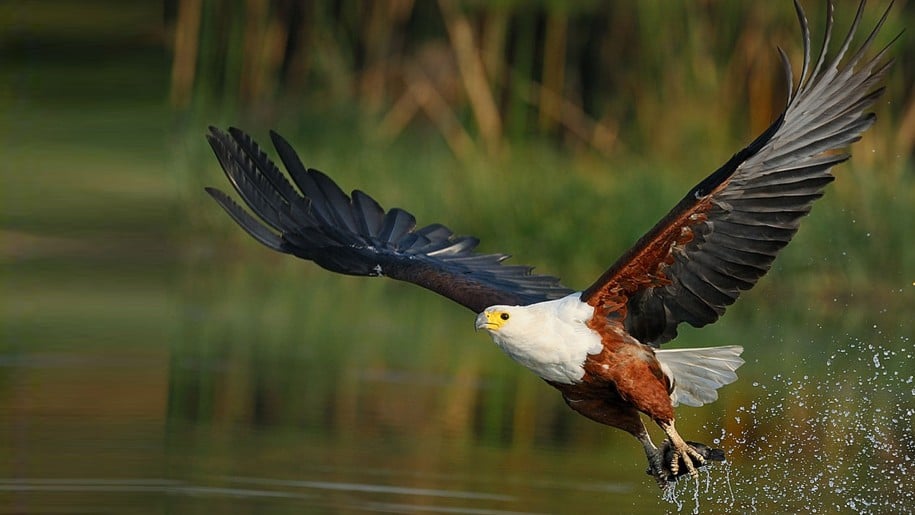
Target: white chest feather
(550,338)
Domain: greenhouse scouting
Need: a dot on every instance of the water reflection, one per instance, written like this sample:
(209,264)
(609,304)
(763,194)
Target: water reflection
(251,396)
(307,494)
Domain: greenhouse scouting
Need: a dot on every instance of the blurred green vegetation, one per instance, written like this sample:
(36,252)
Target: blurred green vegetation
(203,352)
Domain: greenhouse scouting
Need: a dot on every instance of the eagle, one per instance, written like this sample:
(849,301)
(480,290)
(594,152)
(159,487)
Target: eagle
(600,346)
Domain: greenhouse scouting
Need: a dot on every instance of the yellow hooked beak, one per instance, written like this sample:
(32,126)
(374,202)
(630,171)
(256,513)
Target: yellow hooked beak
(491,320)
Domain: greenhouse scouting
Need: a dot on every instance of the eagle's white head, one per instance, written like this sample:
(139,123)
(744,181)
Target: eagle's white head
(506,321)
(550,338)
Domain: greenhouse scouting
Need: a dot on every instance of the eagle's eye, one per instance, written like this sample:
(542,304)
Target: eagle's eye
(504,316)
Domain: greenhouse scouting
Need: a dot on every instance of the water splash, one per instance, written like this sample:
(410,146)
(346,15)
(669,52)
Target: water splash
(672,493)
(669,494)
(835,440)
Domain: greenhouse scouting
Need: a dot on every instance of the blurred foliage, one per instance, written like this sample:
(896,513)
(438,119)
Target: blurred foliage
(614,77)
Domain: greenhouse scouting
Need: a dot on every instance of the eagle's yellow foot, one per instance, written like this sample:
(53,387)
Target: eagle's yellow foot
(688,454)
(661,465)
(682,450)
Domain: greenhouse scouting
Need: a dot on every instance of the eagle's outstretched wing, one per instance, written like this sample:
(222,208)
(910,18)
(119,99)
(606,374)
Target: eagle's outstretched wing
(723,236)
(354,235)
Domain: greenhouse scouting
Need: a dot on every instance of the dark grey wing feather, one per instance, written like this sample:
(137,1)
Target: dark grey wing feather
(397,224)
(256,190)
(354,235)
(724,235)
(246,221)
(369,215)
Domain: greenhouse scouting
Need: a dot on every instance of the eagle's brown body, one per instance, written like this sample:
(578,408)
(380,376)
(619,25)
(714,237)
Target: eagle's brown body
(620,382)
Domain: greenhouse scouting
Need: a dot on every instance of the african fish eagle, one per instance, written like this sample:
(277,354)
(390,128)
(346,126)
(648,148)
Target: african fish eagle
(599,347)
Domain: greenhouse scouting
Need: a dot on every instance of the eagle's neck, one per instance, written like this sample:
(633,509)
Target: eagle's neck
(551,338)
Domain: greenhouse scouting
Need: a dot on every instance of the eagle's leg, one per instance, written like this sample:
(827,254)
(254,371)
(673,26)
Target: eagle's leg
(655,458)
(622,416)
(681,449)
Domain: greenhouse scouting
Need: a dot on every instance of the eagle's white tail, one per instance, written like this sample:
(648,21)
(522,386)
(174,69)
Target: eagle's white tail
(698,373)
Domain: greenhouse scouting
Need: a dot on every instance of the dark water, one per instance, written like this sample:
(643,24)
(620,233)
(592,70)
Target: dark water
(277,388)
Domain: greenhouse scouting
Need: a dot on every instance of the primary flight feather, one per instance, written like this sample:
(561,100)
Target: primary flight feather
(599,346)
